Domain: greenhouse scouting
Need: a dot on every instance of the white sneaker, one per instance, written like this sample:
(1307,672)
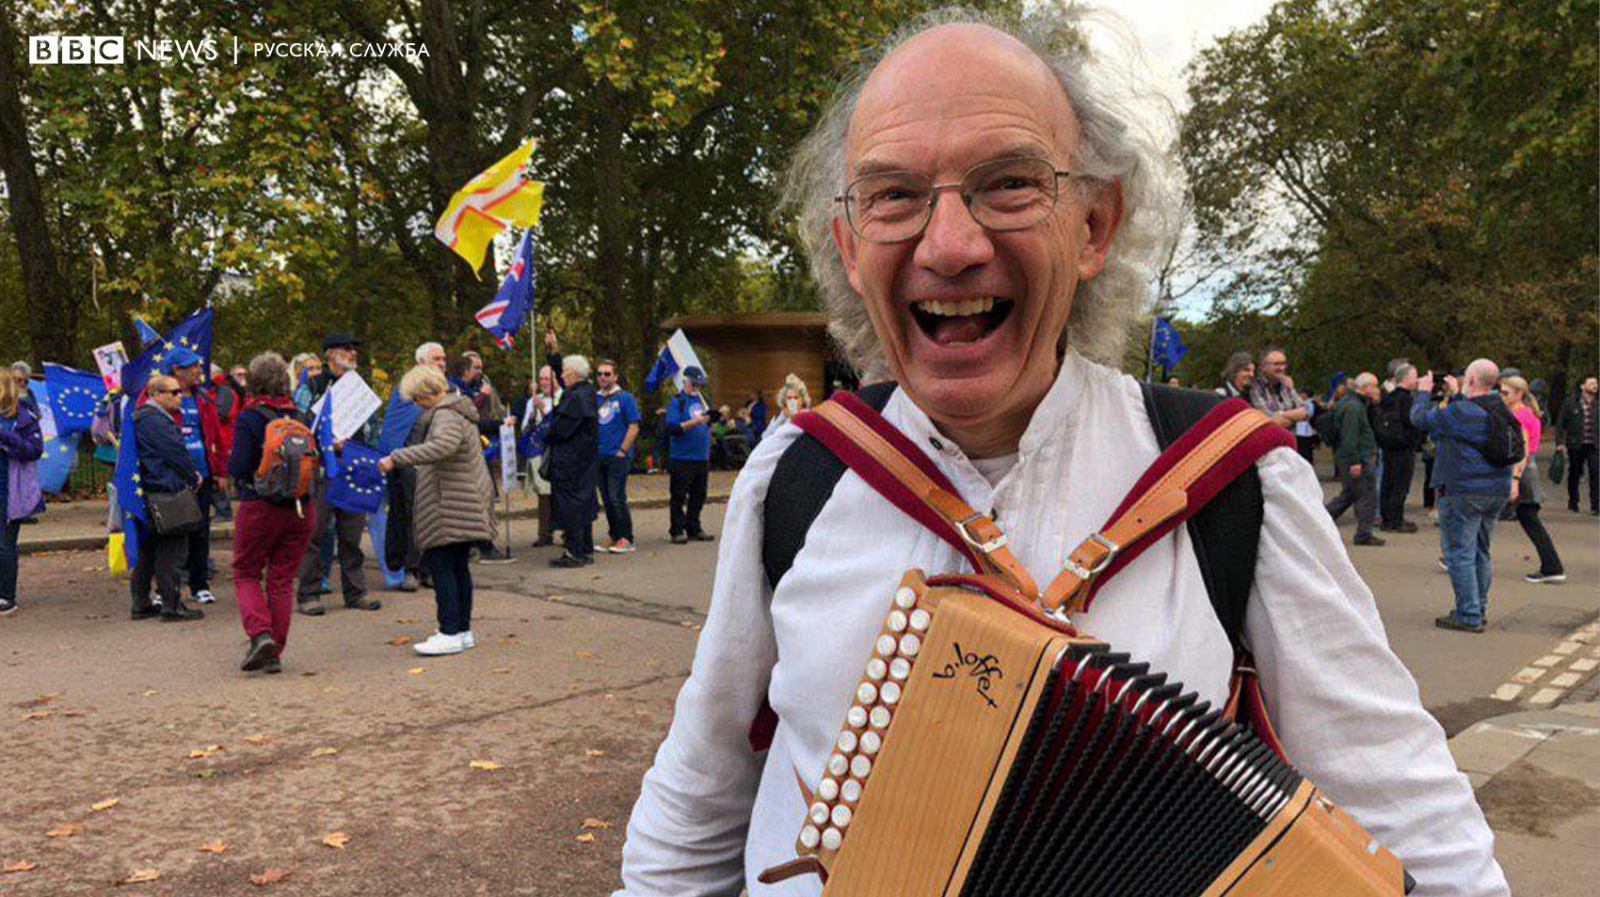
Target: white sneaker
(468,640)
(439,644)
(204,596)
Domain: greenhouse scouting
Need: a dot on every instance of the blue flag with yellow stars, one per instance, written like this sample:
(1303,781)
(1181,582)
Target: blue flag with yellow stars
(1167,348)
(192,333)
(74,395)
(358,487)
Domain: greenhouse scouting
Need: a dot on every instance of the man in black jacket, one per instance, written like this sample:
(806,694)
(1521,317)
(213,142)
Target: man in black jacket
(1577,423)
(164,467)
(574,447)
(1399,441)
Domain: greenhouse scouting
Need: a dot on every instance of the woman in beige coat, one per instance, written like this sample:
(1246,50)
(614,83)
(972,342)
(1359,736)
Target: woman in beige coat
(453,509)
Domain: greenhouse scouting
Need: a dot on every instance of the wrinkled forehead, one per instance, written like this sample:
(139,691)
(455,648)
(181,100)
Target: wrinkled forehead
(957,95)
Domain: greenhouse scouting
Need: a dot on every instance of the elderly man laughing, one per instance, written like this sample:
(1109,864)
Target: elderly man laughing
(981,211)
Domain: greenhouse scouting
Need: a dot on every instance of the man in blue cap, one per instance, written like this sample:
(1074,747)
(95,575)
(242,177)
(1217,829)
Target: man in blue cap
(689,457)
(206,443)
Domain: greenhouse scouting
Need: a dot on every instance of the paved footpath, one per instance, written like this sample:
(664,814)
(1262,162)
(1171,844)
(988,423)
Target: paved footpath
(206,777)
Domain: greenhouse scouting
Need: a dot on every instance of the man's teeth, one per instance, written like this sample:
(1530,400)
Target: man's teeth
(957,308)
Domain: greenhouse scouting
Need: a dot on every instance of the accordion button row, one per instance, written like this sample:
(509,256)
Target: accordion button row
(867,720)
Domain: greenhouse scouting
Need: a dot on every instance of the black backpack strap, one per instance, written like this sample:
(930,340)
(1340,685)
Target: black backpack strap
(1227,532)
(802,482)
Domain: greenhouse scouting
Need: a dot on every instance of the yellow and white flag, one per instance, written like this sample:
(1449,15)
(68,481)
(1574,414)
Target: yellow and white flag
(494,200)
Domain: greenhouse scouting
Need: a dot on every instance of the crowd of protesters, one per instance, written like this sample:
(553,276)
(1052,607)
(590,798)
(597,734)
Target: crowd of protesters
(240,445)
(1478,434)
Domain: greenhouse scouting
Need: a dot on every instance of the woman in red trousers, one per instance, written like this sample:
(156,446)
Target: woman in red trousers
(270,534)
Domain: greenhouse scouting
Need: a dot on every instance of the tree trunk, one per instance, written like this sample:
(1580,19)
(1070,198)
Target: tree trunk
(606,321)
(52,309)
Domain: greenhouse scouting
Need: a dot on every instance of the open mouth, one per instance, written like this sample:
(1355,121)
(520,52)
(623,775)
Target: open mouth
(960,322)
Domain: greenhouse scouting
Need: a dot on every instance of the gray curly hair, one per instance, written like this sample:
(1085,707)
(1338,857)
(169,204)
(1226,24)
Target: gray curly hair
(1121,141)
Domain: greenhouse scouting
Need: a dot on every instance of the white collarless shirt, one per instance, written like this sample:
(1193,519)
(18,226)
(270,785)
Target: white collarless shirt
(712,815)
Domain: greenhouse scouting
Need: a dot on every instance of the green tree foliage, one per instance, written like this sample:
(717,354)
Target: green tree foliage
(299,193)
(1397,178)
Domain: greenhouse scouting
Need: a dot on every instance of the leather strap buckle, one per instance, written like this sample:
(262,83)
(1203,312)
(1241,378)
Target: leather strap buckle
(1088,574)
(984,548)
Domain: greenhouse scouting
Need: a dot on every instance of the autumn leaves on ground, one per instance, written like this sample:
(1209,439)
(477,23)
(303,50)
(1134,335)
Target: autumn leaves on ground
(139,760)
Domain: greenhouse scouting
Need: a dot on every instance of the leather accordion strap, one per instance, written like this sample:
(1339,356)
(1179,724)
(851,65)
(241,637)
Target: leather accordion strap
(1224,444)
(900,472)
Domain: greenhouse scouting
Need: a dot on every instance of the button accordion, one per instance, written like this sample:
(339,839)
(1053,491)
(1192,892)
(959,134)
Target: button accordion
(987,754)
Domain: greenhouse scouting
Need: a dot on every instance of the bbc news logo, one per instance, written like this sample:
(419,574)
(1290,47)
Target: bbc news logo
(74,49)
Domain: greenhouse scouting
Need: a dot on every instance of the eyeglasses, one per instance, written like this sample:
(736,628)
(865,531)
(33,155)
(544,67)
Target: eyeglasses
(166,392)
(608,373)
(1001,195)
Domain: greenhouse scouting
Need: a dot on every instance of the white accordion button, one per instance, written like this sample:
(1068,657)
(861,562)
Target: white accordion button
(838,765)
(819,813)
(877,669)
(847,742)
(851,790)
(860,766)
(832,838)
(910,644)
(841,816)
(880,717)
(871,742)
(906,598)
(867,693)
(856,717)
(899,668)
(828,789)
(810,837)
(890,693)
(886,645)
(898,621)
(921,619)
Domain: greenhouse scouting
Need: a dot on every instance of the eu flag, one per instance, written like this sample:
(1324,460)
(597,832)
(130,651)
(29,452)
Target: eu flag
(398,420)
(1167,348)
(130,494)
(74,395)
(358,487)
(192,333)
(147,334)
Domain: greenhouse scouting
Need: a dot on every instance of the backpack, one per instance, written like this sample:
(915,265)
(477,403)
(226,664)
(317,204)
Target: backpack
(1225,534)
(1505,445)
(1326,423)
(1390,429)
(288,461)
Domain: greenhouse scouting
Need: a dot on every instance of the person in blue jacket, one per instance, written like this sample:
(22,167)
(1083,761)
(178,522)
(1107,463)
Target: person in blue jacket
(1472,491)
(165,465)
(689,457)
(21,446)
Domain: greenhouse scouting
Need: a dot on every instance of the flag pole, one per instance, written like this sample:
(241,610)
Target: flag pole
(1150,355)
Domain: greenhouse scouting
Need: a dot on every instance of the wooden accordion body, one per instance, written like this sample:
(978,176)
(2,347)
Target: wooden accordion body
(988,754)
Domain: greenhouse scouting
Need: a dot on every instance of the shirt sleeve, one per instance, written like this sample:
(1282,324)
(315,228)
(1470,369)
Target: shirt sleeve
(686,837)
(1347,710)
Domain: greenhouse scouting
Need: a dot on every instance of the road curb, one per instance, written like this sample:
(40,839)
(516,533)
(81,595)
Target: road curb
(223,532)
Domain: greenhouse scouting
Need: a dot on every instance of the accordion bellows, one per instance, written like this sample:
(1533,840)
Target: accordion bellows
(985,754)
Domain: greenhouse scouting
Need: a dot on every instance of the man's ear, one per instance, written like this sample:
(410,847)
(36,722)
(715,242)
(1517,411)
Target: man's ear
(845,240)
(1103,219)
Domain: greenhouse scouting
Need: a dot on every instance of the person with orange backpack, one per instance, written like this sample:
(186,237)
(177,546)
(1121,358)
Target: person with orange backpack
(273,464)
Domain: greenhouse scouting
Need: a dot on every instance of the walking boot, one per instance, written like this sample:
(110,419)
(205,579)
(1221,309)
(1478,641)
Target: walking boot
(363,602)
(175,611)
(262,650)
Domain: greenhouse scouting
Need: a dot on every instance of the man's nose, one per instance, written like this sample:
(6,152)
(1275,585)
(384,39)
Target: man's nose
(954,241)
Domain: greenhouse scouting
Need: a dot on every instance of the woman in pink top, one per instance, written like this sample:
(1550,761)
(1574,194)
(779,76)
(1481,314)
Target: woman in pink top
(1525,489)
